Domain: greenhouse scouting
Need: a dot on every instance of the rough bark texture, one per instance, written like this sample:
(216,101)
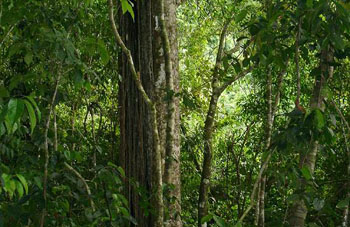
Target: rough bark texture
(217,90)
(142,38)
(208,134)
(298,211)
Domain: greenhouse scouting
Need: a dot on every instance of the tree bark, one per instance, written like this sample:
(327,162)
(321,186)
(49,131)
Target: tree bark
(298,211)
(270,119)
(217,90)
(142,146)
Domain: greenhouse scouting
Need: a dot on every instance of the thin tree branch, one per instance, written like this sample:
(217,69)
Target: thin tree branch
(87,188)
(233,79)
(252,196)
(341,115)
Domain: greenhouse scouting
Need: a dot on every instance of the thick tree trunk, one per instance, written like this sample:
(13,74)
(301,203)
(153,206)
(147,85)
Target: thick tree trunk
(137,144)
(298,211)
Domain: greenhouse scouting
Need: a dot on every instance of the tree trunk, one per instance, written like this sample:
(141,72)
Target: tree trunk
(137,145)
(270,119)
(298,211)
(346,210)
(206,170)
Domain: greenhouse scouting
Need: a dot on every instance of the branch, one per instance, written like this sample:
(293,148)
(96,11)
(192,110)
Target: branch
(252,196)
(7,34)
(341,115)
(87,188)
(221,45)
(278,92)
(233,79)
(297,40)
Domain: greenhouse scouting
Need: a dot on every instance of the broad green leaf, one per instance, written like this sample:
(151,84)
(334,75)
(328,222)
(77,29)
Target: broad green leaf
(38,182)
(19,188)
(318,204)
(31,113)
(338,41)
(333,119)
(4,92)
(319,120)
(121,171)
(112,164)
(23,181)
(28,58)
(309,3)
(103,52)
(206,218)
(306,173)
(238,224)
(219,221)
(2,129)
(126,7)
(241,16)
(343,203)
(15,110)
(32,101)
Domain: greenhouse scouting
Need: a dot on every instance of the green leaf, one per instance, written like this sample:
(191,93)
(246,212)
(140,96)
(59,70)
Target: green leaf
(121,171)
(219,221)
(338,41)
(238,224)
(31,113)
(28,58)
(38,182)
(333,119)
(15,110)
(19,188)
(318,204)
(306,173)
(206,218)
(319,121)
(23,181)
(32,101)
(4,92)
(239,17)
(309,3)
(126,7)
(101,47)
(343,203)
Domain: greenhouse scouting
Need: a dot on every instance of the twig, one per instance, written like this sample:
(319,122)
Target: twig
(7,34)
(341,115)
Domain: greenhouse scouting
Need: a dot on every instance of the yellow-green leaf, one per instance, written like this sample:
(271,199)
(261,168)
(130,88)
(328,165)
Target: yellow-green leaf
(23,181)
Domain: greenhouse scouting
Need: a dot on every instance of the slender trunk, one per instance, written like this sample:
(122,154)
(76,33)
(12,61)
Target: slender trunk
(346,210)
(73,124)
(206,170)
(257,206)
(217,90)
(270,118)
(208,132)
(172,157)
(298,211)
(47,152)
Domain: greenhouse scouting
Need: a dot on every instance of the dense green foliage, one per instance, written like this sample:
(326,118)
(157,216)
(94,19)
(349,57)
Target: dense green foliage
(68,48)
